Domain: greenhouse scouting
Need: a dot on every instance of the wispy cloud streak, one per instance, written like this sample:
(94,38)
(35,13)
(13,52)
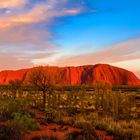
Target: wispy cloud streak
(125,54)
(128,50)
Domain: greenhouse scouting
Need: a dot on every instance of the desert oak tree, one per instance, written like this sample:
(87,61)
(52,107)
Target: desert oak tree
(41,79)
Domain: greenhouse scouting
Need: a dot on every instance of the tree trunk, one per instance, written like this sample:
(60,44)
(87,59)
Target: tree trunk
(44,100)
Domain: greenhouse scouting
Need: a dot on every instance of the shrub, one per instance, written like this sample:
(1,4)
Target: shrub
(71,135)
(122,117)
(81,125)
(24,122)
(87,136)
(8,106)
(88,133)
(10,132)
(110,132)
(52,116)
(72,111)
(101,126)
(65,122)
(44,138)
(124,135)
(4,137)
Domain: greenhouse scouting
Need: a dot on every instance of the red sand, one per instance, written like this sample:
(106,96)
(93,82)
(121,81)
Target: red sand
(58,131)
(51,130)
(102,135)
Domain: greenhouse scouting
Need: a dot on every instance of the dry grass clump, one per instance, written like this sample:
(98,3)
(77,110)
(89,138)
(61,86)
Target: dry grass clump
(121,129)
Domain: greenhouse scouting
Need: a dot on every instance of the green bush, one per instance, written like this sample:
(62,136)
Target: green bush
(9,106)
(101,126)
(51,116)
(87,133)
(81,125)
(25,122)
(127,135)
(110,132)
(122,117)
(72,111)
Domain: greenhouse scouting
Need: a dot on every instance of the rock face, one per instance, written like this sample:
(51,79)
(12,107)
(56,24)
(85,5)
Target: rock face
(86,75)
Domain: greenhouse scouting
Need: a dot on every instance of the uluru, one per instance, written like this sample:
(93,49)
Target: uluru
(79,75)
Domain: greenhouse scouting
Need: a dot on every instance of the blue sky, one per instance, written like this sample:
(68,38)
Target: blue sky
(40,32)
(109,23)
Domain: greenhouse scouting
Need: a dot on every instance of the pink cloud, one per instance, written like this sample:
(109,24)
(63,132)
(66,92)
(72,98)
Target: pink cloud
(18,60)
(127,50)
(12,3)
(138,73)
(40,12)
(22,30)
(25,29)
(125,54)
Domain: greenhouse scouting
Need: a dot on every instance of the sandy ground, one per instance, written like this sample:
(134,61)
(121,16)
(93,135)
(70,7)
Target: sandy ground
(55,130)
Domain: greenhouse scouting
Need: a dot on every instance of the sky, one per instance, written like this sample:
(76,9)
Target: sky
(69,33)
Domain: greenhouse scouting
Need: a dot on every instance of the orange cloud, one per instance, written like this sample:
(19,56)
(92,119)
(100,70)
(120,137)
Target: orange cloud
(39,13)
(35,15)
(21,27)
(12,3)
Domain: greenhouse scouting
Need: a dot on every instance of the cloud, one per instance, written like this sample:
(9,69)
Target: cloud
(128,50)
(138,73)
(125,54)
(25,36)
(12,3)
(10,60)
(24,29)
(29,25)
(40,12)
(18,60)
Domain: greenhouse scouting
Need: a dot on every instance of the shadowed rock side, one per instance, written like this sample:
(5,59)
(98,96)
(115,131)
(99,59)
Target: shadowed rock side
(81,75)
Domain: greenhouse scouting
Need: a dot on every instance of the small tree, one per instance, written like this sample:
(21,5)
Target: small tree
(41,79)
(102,89)
(15,86)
